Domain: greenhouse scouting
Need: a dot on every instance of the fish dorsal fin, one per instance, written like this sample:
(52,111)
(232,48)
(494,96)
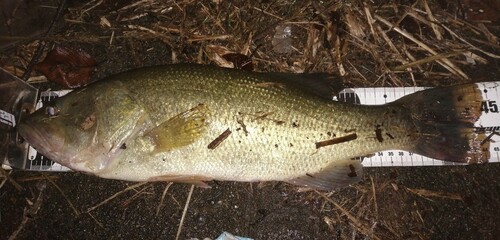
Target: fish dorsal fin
(179,131)
(325,85)
(198,181)
(337,175)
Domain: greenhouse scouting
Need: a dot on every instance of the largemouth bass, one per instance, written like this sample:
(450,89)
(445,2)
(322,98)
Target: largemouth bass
(192,123)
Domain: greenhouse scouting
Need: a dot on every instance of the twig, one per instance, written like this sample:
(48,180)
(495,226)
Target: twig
(400,56)
(443,62)
(432,20)
(468,43)
(135,196)
(359,226)
(357,71)
(3,182)
(374,197)
(90,8)
(175,201)
(426,60)
(3,174)
(268,13)
(138,3)
(28,213)
(77,213)
(115,195)
(212,145)
(163,197)
(181,223)
(36,178)
(429,193)
(7,177)
(200,38)
(391,44)
(369,19)
(98,223)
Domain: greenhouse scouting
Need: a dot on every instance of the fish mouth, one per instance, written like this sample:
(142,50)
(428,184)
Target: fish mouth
(46,141)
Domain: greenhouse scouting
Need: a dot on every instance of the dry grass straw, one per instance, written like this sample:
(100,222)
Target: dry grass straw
(184,212)
(360,226)
(377,209)
(390,44)
(7,177)
(427,194)
(163,197)
(114,196)
(77,213)
(28,213)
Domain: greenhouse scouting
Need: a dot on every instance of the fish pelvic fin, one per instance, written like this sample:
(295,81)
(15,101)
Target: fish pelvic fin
(180,130)
(444,123)
(198,181)
(337,175)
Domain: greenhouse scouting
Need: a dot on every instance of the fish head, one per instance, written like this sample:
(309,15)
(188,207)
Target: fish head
(62,131)
(72,131)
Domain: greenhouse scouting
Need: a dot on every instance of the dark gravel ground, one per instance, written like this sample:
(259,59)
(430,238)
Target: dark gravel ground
(260,211)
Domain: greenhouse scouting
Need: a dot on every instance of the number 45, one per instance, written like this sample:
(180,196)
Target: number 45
(489,106)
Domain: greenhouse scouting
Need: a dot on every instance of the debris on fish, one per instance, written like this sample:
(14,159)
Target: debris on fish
(193,123)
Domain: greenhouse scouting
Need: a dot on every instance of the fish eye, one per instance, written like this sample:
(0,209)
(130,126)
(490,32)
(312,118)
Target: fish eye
(52,111)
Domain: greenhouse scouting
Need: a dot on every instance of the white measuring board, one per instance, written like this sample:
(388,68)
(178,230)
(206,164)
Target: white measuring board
(38,162)
(489,120)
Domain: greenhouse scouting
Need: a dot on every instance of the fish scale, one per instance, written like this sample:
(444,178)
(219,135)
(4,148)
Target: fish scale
(192,123)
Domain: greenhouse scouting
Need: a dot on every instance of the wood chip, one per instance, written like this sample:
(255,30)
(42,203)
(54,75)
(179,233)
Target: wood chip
(217,141)
(337,140)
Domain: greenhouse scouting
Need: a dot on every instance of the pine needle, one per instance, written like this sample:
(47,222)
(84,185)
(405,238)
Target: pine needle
(163,197)
(181,223)
(355,221)
(115,195)
(77,213)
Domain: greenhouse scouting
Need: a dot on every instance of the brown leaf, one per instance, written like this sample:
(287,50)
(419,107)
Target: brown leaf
(215,53)
(68,67)
(240,61)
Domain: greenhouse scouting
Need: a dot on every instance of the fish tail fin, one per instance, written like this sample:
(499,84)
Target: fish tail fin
(444,119)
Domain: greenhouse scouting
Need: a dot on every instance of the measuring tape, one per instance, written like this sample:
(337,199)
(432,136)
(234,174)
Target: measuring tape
(7,118)
(489,120)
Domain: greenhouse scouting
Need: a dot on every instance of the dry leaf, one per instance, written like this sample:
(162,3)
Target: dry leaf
(239,61)
(68,67)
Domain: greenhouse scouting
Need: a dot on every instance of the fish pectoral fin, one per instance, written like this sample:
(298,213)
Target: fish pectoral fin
(198,181)
(179,131)
(337,175)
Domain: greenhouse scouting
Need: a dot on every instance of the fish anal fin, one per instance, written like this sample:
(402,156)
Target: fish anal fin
(198,181)
(180,130)
(337,175)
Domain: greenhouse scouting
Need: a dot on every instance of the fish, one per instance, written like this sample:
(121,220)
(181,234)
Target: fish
(194,123)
